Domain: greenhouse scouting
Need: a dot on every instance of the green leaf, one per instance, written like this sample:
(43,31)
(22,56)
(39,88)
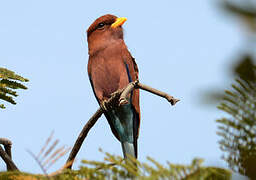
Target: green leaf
(238,133)
(8,83)
(7,98)
(7,74)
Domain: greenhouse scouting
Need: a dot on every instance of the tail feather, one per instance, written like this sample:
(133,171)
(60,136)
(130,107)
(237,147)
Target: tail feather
(128,148)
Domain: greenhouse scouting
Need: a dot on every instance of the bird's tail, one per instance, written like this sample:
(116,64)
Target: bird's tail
(128,148)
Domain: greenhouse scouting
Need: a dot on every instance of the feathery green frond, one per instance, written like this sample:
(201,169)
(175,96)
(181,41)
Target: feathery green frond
(114,167)
(238,132)
(8,82)
(8,91)
(9,99)
(7,74)
(11,84)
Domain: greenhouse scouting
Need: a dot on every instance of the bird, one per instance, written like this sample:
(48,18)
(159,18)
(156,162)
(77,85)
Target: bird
(111,67)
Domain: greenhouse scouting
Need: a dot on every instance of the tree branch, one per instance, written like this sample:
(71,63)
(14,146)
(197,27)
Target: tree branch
(137,85)
(7,155)
(82,136)
(126,92)
(169,98)
(87,128)
(117,98)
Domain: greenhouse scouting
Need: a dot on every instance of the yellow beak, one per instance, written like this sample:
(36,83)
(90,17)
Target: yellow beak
(119,22)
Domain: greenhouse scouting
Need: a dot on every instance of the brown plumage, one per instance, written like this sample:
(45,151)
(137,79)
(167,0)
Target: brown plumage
(111,67)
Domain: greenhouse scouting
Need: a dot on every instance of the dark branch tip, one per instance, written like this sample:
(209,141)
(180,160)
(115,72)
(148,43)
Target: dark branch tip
(174,101)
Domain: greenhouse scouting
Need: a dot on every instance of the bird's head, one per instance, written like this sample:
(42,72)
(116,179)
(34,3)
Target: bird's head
(104,31)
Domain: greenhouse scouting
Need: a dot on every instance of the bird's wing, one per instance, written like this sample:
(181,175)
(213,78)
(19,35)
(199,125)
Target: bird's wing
(89,70)
(134,73)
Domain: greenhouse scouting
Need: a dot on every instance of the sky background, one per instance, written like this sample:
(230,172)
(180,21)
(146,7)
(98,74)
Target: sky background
(181,47)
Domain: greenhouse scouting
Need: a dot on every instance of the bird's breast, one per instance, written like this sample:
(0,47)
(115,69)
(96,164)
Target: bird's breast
(109,73)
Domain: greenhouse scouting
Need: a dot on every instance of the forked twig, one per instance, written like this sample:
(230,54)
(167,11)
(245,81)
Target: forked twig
(6,154)
(137,85)
(121,96)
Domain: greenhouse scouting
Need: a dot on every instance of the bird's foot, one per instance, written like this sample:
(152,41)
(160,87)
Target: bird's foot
(123,101)
(105,105)
(116,94)
(119,101)
(113,101)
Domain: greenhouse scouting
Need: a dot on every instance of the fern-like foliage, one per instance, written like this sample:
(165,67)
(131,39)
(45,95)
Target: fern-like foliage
(9,82)
(238,132)
(115,168)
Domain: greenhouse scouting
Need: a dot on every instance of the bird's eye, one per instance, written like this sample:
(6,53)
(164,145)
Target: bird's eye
(101,25)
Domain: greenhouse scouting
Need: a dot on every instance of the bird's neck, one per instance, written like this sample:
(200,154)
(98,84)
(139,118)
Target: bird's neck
(111,44)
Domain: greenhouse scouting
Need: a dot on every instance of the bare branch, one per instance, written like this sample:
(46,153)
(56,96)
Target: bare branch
(137,85)
(7,146)
(5,142)
(50,148)
(46,144)
(7,155)
(169,98)
(61,154)
(47,159)
(126,92)
(39,163)
(82,136)
(53,155)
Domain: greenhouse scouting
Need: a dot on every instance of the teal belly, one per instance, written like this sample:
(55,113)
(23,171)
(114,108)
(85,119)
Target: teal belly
(122,120)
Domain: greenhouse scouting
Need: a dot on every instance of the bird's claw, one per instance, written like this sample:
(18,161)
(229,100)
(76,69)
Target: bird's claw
(104,105)
(123,101)
(116,93)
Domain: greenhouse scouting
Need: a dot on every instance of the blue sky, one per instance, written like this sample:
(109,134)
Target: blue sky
(181,47)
